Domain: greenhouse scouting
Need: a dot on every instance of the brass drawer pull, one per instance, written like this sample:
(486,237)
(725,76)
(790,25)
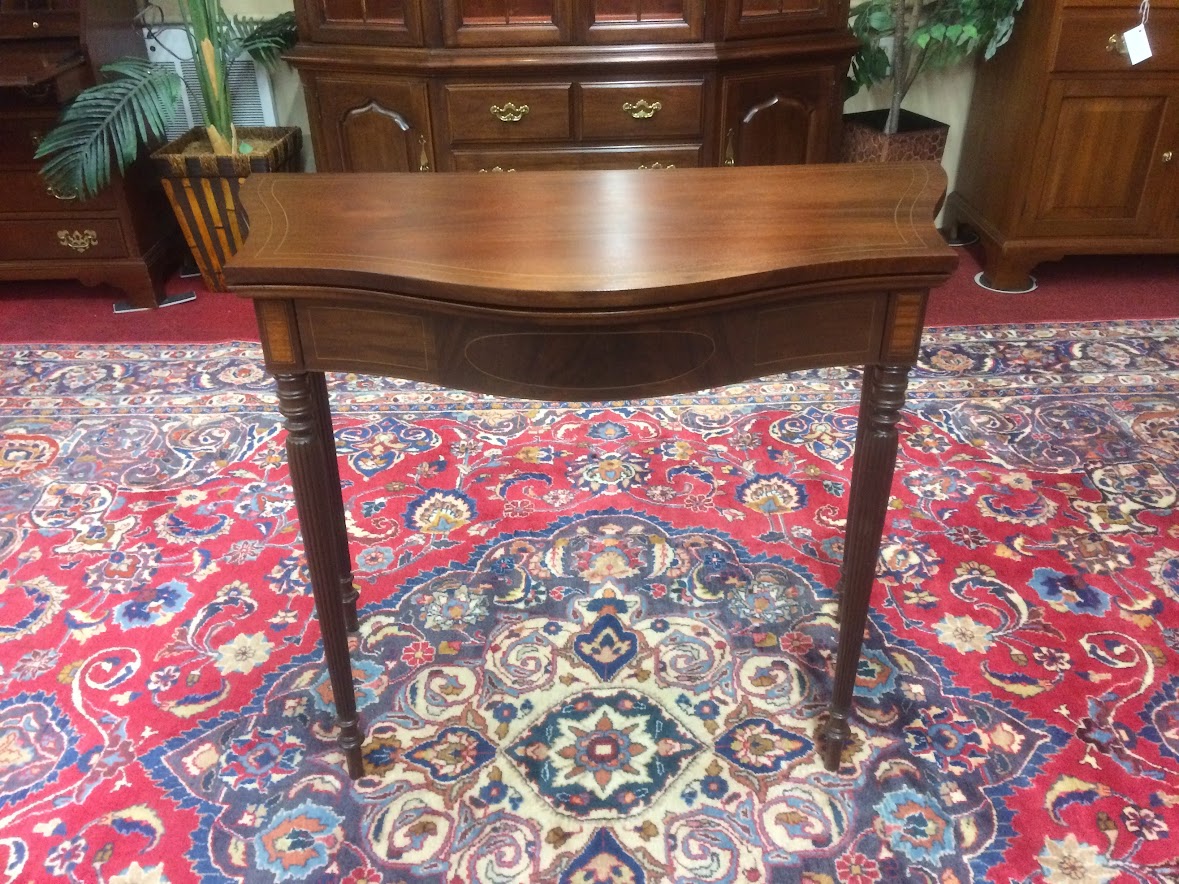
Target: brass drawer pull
(1168,156)
(657,165)
(509,113)
(423,157)
(497,169)
(642,109)
(78,240)
(1117,43)
(60,194)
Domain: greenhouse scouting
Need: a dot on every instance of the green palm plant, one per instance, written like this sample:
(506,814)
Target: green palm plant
(899,39)
(111,122)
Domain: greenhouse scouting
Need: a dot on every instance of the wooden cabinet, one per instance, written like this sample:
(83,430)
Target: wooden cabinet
(49,50)
(1069,148)
(501,85)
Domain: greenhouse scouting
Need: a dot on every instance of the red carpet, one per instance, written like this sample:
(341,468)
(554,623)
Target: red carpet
(1083,289)
(1079,289)
(69,312)
(595,642)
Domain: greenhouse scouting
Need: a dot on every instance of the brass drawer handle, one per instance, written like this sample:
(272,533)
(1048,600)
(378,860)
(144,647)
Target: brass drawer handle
(497,169)
(509,113)
(642,109)
(60,194)
(657,165)
(78,240)
(423,157)
(1117,43)
(1168,156)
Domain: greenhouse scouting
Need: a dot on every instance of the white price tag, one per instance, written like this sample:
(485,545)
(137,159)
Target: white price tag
(1137,44)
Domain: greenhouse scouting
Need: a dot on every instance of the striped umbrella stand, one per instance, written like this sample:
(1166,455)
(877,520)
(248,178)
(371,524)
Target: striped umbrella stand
(202,188)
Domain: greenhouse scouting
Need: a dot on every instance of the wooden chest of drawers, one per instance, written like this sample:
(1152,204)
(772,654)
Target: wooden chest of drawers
(494,86)
(1070,149)
(125,236)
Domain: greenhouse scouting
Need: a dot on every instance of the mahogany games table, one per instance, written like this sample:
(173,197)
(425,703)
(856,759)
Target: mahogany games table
(589,286)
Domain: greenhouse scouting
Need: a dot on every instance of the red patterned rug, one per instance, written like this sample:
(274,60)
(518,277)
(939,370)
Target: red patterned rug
(595,641)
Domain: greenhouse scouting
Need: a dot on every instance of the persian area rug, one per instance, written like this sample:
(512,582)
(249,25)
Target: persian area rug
(595,641)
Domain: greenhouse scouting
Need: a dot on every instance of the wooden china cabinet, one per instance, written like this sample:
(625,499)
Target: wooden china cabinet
(125,236)
(1069,148)
(500,85)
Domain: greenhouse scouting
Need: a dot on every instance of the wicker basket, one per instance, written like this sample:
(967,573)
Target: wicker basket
(202,188)
(918,138)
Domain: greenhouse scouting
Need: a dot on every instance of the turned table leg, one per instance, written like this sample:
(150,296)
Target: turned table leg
(323,411)
(881,401)
(309,443)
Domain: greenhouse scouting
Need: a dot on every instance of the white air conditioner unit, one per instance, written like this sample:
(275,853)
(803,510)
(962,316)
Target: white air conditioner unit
(249,82)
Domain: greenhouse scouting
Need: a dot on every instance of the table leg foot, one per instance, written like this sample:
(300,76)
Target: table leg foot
(833,736)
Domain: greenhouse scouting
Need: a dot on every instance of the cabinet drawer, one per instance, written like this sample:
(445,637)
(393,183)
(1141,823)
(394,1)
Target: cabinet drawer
(40,24)
(19,137)
(25,190)
(661,157)
(61,239)
(656,109)
(508,112)
(1083,43)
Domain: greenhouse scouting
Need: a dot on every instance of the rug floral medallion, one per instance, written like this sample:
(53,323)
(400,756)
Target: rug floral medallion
(596,641)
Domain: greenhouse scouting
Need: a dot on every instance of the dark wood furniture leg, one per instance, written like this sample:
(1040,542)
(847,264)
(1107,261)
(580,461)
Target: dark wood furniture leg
(309,444)
(881,399)
(349,594)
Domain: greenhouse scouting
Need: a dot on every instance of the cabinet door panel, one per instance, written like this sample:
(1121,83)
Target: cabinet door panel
(778,119)
(1081,184)
(642,21)
(507,22)
(374,22)
(373,125)
(771,18)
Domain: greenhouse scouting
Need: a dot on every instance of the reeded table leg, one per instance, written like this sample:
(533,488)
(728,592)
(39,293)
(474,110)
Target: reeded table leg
(308,447)
(881,401)
(323,409)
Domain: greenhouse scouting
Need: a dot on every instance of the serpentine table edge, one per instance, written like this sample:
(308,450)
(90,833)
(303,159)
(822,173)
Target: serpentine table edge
(590,286)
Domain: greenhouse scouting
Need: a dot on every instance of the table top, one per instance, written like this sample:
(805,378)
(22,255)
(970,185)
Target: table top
(595,240)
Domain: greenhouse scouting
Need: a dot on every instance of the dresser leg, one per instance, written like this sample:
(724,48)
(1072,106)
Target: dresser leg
(349,594)
(309,444)
(881,401)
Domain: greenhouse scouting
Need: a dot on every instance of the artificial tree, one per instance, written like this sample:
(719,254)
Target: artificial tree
(119,117)
(899,39)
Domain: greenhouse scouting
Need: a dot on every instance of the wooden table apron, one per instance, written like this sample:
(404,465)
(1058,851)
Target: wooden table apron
(590,286)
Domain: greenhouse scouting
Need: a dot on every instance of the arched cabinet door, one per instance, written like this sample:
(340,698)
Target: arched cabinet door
(378,125)
(778,119)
